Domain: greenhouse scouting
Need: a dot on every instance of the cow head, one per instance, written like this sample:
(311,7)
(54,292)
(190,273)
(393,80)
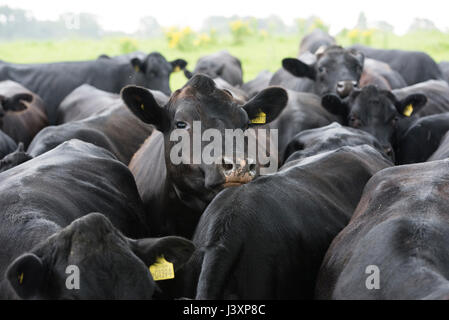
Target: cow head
(108,264)
(336,70)
(201,102)
(154,71)
(375,111)
(211,68)
(311,142)
(15,103)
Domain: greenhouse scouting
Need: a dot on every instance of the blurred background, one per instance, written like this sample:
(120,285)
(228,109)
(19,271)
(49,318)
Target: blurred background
(259,33)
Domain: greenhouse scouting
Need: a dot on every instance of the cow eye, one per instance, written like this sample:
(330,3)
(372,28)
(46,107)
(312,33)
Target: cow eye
(321,69)
(181,125)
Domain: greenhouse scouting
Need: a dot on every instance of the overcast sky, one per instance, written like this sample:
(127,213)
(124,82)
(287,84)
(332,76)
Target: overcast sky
(124,15)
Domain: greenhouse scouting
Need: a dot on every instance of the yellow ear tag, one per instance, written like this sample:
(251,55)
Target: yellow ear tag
(142,107)
(177,69)
(20,276)
(162,269)
(136,68)
(261,118)
(408,110)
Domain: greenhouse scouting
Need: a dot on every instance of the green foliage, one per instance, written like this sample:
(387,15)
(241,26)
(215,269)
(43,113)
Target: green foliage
(241,30)
(306,26)
(258,52)
(128,45)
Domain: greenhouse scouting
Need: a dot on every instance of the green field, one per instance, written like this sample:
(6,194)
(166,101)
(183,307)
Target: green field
(256,53)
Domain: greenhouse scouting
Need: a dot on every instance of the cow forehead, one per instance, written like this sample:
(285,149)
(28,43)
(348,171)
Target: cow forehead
(338,60)
(155,60)
(374,105)
(210,103)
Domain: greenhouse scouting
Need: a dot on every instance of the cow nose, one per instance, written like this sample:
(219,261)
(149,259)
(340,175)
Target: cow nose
(344,88)
(239,172)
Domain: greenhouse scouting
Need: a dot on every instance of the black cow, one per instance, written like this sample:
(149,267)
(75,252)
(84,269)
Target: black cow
(443,149)
(126,57)
(381,75)
(413,66)
(388,115)
(394,248)
(23,114)
(104,128)
(87,101)
(262,81)
(317,39)
(436,91)
(444,66)
(236,92)
(177,193)
(266,239)
(53,81)
(377,112)
(220,65)
(427,133)
(336,70)
(303,112)
(84,102)
(47,225)
(314,141)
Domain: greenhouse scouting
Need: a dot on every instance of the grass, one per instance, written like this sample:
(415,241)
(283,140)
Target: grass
(256,53)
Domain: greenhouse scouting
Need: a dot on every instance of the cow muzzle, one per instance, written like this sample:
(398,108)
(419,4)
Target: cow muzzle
(237,173)
(344,88)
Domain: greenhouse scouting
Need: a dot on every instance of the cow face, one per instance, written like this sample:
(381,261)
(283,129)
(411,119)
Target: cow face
(108,265)
(375,111)
(16,103)
(336,70)
(201,102)
(154,72)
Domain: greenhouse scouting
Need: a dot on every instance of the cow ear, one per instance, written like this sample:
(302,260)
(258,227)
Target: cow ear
(16,102)
(26,275)
(335,105)
(138,65)
(188,74)
(142,103)
(266,105)
(299,69)
(178,65)
(411,104)
(176,250)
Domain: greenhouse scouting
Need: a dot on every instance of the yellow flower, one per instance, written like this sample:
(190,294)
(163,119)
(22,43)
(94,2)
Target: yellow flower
(368,33)
(186,31)
(354,33)
(236,25)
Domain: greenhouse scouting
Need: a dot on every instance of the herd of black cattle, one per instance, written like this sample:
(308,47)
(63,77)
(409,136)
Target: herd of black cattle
(363,181)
